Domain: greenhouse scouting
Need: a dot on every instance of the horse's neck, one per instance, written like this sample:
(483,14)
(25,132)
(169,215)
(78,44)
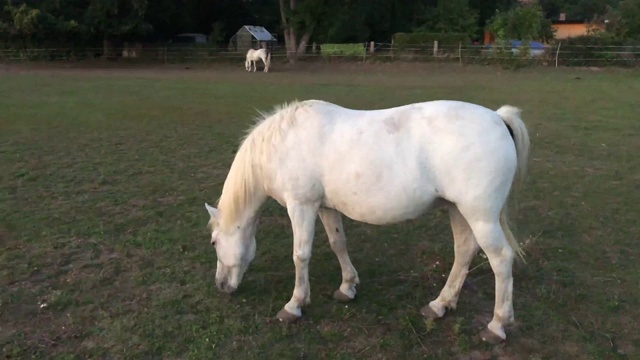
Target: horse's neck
(238,209)
(246,186)
(247,215)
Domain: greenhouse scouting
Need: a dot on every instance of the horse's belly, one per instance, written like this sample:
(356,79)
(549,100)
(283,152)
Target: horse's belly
(380,206)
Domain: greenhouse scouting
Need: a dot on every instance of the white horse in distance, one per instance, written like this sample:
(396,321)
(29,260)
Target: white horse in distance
(254,55)
(378,167)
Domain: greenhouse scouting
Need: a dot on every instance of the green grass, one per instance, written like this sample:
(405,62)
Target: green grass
(104,250)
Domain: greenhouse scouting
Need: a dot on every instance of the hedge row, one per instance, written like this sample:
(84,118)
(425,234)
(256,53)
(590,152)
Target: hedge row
(342,49)
(599,50)
(406,40)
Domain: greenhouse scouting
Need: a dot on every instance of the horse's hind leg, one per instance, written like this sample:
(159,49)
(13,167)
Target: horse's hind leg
(465,248)
(332,221)
(492,240)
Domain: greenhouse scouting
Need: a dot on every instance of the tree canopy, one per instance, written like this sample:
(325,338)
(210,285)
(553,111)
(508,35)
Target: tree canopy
(97,22)
(521,22)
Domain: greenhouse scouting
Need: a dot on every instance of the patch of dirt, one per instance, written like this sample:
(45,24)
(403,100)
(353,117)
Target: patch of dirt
(476,355)
(356,339)
(5,236)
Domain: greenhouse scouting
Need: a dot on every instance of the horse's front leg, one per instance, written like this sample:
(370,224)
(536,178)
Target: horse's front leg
(303,219)
(255,66)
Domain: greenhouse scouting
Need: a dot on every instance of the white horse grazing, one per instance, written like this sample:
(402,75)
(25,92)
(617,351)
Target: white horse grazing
(378,167)
(255,55)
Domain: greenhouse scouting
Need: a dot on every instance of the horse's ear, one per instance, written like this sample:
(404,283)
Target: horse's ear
(213,212)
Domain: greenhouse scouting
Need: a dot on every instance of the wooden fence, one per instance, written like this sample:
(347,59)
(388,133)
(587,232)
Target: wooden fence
(555,55)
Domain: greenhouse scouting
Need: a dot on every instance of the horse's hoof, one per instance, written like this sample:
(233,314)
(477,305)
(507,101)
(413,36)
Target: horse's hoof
(490,337)
(342,297)
(287,317)
(428,312)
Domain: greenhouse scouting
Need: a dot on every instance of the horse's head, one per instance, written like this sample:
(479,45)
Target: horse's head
(235,248)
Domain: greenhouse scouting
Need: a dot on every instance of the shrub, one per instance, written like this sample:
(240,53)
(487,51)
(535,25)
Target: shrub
(342,50)
(599,50)
(407,40)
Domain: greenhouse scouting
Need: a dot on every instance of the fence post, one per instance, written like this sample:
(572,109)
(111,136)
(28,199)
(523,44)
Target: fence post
(435,48)
(391,51)
(364,53)
(460,51)
(558,52)
(372,48)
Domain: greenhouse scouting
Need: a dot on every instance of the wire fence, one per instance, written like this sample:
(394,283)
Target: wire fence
(553,55)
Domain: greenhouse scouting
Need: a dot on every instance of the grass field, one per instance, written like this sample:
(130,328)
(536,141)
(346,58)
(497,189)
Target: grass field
(104,251)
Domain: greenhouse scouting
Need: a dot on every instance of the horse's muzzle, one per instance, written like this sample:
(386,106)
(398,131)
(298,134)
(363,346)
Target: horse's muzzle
(224,286)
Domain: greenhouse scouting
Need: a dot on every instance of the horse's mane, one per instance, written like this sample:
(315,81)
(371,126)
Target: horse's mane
(242,190)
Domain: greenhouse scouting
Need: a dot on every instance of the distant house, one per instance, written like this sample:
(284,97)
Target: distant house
(562,27)
(252,37)
(570,28)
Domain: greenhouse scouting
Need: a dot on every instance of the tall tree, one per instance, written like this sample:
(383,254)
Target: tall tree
(344,25)
(451,16)
(524,22)
(168,18)
(117,20)
(383,18)
(299,20)
(231,15)
(487,9)
(576,9)
(630,15)
(60,22)
(24,22)
(35,23)
(587,9)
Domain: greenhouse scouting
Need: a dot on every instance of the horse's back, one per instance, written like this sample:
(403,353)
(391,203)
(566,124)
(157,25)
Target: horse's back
(433,131)
(256,54)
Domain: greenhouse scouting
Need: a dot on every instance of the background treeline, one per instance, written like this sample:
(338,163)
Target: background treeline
(97,23)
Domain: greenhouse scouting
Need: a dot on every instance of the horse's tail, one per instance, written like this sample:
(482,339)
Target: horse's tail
(511,117)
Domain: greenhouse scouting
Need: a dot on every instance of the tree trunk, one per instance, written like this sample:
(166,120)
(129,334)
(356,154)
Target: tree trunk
(302,47)
(290,37)
(106,49)
(292,55)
